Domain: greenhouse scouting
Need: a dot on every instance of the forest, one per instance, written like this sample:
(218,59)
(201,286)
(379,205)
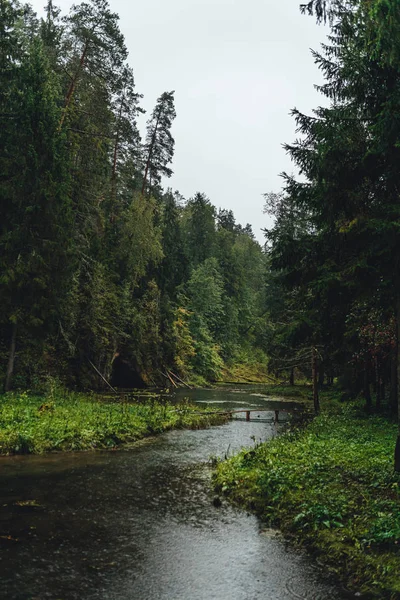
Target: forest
(106,275)
(111,279)
(103,272)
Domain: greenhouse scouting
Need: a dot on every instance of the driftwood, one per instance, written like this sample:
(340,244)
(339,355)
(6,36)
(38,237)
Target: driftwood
(181,380)
(102,376)
(167,376)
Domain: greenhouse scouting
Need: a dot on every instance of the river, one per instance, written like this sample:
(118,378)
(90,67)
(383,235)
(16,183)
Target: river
(140,524)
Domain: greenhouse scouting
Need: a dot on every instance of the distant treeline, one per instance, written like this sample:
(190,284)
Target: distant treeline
(97,260)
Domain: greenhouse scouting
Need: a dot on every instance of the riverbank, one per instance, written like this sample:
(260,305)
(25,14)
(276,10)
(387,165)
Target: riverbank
(142,524)
(70,422)
(329,487)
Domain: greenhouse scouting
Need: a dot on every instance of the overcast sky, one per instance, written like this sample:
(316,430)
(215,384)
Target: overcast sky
(237,68)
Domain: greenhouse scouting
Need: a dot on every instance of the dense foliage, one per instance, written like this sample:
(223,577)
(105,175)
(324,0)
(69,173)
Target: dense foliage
(106,275)
(334,249)
(100,267)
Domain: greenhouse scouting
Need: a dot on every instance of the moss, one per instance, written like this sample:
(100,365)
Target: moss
(330,487)
(68,421)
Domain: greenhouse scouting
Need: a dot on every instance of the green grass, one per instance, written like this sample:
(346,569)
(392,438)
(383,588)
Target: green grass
(331,487)
(68,421)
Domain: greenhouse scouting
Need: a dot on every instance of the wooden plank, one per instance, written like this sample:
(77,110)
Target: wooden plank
(285,410)
(103,378)
(181,380)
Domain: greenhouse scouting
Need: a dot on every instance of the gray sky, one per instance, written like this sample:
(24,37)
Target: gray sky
(237,68)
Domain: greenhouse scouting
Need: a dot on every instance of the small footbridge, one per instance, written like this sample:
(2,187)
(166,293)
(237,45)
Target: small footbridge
(247,412)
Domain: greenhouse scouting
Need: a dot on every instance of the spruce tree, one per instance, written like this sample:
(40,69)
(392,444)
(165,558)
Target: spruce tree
(200,229)
(173,270)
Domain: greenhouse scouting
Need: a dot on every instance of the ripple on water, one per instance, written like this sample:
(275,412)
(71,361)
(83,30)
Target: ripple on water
(140,524)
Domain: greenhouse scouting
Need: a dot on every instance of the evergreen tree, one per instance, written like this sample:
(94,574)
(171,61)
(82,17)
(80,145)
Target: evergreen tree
(349,202)
(158,149)
(51,33)
(126,147)
(226,220)
(93,28)
(35,230)
(199,228)
(173,270)
(323,9)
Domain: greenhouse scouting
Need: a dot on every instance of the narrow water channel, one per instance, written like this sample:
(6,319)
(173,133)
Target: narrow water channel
(140,524)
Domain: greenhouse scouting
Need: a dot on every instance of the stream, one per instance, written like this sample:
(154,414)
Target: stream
(139,523)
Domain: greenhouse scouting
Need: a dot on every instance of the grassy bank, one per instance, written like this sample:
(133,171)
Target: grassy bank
(329,487)
(68,421)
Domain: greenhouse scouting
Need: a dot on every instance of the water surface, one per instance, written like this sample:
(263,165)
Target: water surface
(140,524)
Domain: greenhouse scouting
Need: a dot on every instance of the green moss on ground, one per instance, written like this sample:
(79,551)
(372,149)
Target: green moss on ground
(331,487)
(68,421)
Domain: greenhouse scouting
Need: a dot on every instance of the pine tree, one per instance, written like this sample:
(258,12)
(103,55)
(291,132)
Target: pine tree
(159,146)
(94,28)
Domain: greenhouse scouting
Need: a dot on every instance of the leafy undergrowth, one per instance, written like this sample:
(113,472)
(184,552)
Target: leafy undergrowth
(247,365)
(245,373)
(301,392)
(331,487)
(33,424)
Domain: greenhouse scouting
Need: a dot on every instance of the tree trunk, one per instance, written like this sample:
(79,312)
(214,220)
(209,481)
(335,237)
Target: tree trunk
(393,381)
(112,215)
(367,391)
(71,89)
(115,154)
(114,167)
(315,380)
(378,386)
(291,378)
(397,454)
(153,139)
(321,375)
(11,358)
(397,449)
